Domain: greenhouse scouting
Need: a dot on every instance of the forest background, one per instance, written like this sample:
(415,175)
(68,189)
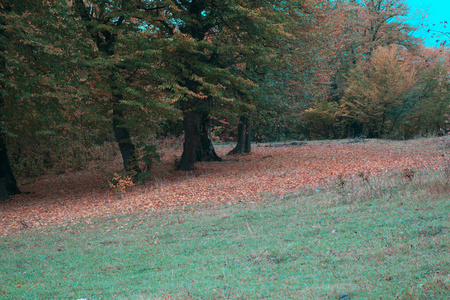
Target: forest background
(81,78)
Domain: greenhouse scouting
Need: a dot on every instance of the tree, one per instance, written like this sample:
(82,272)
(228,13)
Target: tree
(382,23)
(380,93)
(8,184)
(126,62)
(29,54)
(431,112)
(213,41)
(302,72)
(210,41)
(358,28)
(232,50)
(244,137)
(370,24)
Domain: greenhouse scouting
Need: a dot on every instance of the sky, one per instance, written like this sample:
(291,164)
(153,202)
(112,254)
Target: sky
(437,11)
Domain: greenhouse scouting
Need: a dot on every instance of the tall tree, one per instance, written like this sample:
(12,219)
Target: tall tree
(430,116)
(360,27)
(370,24)
(8,184)
(381,93)
(125,60)
(300,74)
(244,136)
(221,46)
(30,53)
(206,40)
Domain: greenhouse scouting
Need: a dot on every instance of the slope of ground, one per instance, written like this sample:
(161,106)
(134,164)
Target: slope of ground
(386,239)
(267,171)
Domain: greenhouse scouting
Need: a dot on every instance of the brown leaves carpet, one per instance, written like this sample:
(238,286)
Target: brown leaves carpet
(55,199)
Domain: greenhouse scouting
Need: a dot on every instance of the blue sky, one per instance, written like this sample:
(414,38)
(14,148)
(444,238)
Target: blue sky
(437,11)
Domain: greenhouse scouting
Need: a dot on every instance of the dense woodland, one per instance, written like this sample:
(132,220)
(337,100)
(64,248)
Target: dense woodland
(82,75)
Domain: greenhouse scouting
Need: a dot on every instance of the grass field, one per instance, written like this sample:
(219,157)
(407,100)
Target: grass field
(383,239)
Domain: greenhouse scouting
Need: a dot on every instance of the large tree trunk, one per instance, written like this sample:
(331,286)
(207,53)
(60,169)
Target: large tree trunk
(248,137)
(8,184)
(239,148)
(3,191)
(191,124)
(123,139)
(197,140)
(205,149)
(244,137)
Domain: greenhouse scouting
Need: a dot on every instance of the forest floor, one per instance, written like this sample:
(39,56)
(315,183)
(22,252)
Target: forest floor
(268,170)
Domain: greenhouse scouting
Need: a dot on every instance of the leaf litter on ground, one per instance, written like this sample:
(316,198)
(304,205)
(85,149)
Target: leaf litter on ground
(66,198)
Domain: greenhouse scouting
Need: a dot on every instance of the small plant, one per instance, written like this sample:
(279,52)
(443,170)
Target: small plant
(119,183)
(447,171)
(408,173)
(446,167)
(364,176)
(149,157)
(340,181)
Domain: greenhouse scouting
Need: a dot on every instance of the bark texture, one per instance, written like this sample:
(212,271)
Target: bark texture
(197,141)
(205,149)
(8,183)
(126,146)
(244,140)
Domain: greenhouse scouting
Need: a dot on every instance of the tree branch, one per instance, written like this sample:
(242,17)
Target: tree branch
(167,26)
(81,10)
(128,79)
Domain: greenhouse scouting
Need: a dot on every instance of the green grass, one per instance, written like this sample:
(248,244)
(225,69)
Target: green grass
(386,240)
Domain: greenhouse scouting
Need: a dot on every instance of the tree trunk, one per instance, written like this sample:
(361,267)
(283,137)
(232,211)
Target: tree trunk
(191,122)
(8,184)
(244,137)
(205,149)
(123,138)
(197,140)
(3,191)
(248,137)
(239,148)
